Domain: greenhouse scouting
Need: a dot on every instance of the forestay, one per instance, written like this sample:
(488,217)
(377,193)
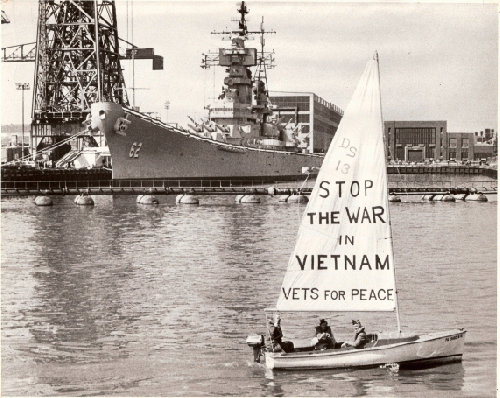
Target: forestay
(343,259)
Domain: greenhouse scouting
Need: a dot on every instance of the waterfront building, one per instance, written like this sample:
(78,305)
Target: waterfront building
(483,151)
(319,118)
(415,141)
(460,146)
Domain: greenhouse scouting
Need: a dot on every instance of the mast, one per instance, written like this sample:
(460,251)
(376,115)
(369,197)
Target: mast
(243,101)
(260,76)
(396,301)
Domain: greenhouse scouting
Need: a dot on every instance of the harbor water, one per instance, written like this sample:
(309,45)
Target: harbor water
(127,299)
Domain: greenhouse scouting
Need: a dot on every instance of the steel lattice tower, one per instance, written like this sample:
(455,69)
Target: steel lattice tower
(77,64)
(77,58)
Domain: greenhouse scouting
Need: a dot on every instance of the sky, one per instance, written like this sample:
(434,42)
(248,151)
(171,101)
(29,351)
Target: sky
(437,61)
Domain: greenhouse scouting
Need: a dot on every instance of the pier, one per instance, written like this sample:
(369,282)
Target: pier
(221,187)
(441,169)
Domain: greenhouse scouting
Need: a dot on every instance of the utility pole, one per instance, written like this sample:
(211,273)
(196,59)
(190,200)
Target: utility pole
(23,87)
(167,107)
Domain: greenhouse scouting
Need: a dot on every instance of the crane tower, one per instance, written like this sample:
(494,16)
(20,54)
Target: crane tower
(77,63)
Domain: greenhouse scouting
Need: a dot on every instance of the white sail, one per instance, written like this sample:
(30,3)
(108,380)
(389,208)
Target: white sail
(343,259)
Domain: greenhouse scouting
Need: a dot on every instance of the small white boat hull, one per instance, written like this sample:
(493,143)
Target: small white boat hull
(434,348)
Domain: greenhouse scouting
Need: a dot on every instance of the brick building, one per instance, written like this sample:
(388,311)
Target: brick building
(414,141)
(483,151)
(460,146)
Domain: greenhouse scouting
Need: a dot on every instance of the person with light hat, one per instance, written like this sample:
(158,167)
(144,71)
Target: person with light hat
(360,339)
(277,335)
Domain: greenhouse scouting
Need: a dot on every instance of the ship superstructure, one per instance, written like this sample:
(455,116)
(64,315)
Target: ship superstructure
(243,114)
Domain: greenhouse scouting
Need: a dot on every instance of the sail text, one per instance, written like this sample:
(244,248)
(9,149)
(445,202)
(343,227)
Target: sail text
(306,293)
(335,261)
(357,188)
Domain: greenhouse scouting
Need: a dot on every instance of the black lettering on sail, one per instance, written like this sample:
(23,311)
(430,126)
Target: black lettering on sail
(351,263)
(379,265)
(339,183)
(326,189)
(355,184)
(365,261)
(301,263)
(378,214)
(336,257)
(352,217)
(366,216)
(285,293)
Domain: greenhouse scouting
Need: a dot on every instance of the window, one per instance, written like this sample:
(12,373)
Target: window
(465,155)
(465,142)
(303,118)
(453,143)
(452,156)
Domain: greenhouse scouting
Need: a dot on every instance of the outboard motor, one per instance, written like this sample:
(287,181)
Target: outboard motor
(256,341)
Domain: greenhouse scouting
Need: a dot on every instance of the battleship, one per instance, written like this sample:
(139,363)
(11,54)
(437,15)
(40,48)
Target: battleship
(242,138)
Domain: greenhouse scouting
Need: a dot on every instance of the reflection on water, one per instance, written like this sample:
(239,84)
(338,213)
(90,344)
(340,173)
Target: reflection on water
(127,299)
(371,382)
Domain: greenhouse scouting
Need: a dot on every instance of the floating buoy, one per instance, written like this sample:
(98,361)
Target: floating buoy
(448,198)
(43,201)
(438,198)
(84,200)
(298,199)
(250,199)
(238,198)
(433,198)
(147,200)
(187,199)
(283,198)
(476,198)
(394,198)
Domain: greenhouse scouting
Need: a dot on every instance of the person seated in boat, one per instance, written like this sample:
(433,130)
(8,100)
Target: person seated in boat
(360,338)
(324,337)
(276,337)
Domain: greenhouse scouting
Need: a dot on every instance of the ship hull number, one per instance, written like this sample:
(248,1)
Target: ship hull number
(134,150)
(453,337)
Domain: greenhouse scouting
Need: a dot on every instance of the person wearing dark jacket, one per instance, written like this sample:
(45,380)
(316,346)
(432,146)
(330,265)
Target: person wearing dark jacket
(324,336)
(276,337)
(360,339)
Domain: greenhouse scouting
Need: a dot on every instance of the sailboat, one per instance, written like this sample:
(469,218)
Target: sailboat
(343,258)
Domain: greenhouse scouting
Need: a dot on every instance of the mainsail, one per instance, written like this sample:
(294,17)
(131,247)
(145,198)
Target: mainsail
(343,259)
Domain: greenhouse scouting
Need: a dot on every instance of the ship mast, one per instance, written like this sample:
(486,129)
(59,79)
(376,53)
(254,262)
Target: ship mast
(260,77)
(246,90)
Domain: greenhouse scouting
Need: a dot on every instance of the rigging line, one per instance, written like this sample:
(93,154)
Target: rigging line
(386,149)
(302,187)
(49,148)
